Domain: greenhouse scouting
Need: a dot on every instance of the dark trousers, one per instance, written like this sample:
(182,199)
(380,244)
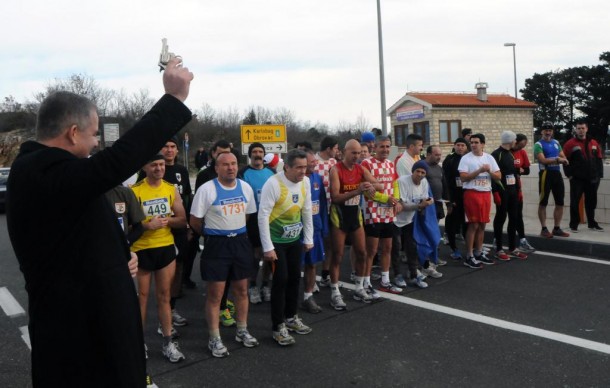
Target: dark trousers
(410,247)
(286,281)
(520,225)
(578,187)
(455,222)
(508,207)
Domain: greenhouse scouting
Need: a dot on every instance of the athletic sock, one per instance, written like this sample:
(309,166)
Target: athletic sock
(241,325)
(385,277)
(359,283)
(307,295)
(215,333)
(334,289)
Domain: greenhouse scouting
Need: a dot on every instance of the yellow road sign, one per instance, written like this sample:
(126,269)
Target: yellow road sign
(275,133)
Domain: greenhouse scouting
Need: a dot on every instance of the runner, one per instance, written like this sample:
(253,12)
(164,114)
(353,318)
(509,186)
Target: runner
(285,212)
(223,205)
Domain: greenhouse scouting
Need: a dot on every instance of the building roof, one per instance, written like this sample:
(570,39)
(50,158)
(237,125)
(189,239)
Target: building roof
(461,100)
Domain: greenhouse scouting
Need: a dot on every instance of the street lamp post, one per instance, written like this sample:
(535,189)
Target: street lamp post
(514,65)
(384,126)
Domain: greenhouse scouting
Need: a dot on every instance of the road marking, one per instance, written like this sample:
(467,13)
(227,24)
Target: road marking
(25,336)
(567,339)
(9,304)
(560,255)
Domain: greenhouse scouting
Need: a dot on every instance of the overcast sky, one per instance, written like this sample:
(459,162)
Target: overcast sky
(318,58)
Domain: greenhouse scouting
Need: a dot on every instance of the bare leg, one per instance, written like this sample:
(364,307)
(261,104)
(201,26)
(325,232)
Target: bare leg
(542,215)
(143,278)
(212,303)
(240,292)
(558,215)
(163,282)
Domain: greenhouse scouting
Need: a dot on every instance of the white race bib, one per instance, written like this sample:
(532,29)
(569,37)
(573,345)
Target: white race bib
(292,231)
(315,207)
(510,180)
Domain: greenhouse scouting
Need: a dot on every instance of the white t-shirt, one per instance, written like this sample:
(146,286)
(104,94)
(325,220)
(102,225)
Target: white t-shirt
(404,164)
(470,163)
(224,212)
(411,195)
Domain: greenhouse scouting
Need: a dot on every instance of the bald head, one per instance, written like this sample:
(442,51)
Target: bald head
(351,152)
(226,168)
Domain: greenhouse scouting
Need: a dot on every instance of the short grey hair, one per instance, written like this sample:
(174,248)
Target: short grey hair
(381,138)
(294,154)
(61,110)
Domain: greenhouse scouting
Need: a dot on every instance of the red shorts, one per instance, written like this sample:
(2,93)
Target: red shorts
(477,206)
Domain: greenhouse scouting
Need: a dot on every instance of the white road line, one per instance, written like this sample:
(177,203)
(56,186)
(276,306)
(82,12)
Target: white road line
(25,336)
(567,339)
(560,255)
(9,304)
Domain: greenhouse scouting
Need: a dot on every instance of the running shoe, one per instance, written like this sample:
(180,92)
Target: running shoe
(440,262)
(399,280)
(226,319)
(560,233)
(485,260)
(471,262)
(217,348)
(172,352)
(244,337)
(596,228)
(325,282)
(372,293)
(311,306)
(418,282)
(432,272)
(524,246)
(501,255)
(362,296)
(375,276)
(516,253)
(296,324)
(254,293)
(545,233)
(231,307)
(336,301)
(174,332)
(149,382)
(178,320)
(456,255)
(282,337)
(390,288)
(267,294)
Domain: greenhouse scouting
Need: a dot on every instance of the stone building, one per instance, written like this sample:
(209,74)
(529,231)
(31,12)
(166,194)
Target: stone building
(440,117)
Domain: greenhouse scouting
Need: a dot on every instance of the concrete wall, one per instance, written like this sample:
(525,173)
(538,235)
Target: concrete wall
(530,197)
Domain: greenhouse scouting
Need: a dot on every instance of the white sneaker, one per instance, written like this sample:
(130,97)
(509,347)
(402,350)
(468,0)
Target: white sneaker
(336,301)
(267,294)
(432,272)
(244,337)
(217,347)
(255,295)
(418,282)
(362,296)
(172,352)
(178,320)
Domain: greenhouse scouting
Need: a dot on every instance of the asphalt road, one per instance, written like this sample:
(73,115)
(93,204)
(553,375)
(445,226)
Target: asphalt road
(542,322)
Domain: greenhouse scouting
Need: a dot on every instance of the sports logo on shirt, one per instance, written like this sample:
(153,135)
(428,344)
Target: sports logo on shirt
(295,198)
(119,207)
(316,186)
(178,177)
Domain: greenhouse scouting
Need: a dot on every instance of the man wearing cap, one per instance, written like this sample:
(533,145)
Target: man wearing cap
(404,163)
(413,192)
(455,222)
(585,170)
(506,198)
(272,161)
(163,208)
(369,139)
(178,175)
(477,170)
(256,175)
(550,157)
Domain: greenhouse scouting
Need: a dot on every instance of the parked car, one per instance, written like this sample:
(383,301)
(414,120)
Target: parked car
(4,171)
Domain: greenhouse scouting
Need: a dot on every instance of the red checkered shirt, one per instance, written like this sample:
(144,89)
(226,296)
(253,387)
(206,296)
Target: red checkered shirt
(323,169)
(385,173)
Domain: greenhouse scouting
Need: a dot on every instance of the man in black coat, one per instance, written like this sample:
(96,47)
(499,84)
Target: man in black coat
(77,271)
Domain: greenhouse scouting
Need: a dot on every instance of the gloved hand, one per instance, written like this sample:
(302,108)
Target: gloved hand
(497,198)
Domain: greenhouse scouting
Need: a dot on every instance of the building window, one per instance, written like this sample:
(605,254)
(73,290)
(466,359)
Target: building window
(450,130)
(422,129)
(400,135)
